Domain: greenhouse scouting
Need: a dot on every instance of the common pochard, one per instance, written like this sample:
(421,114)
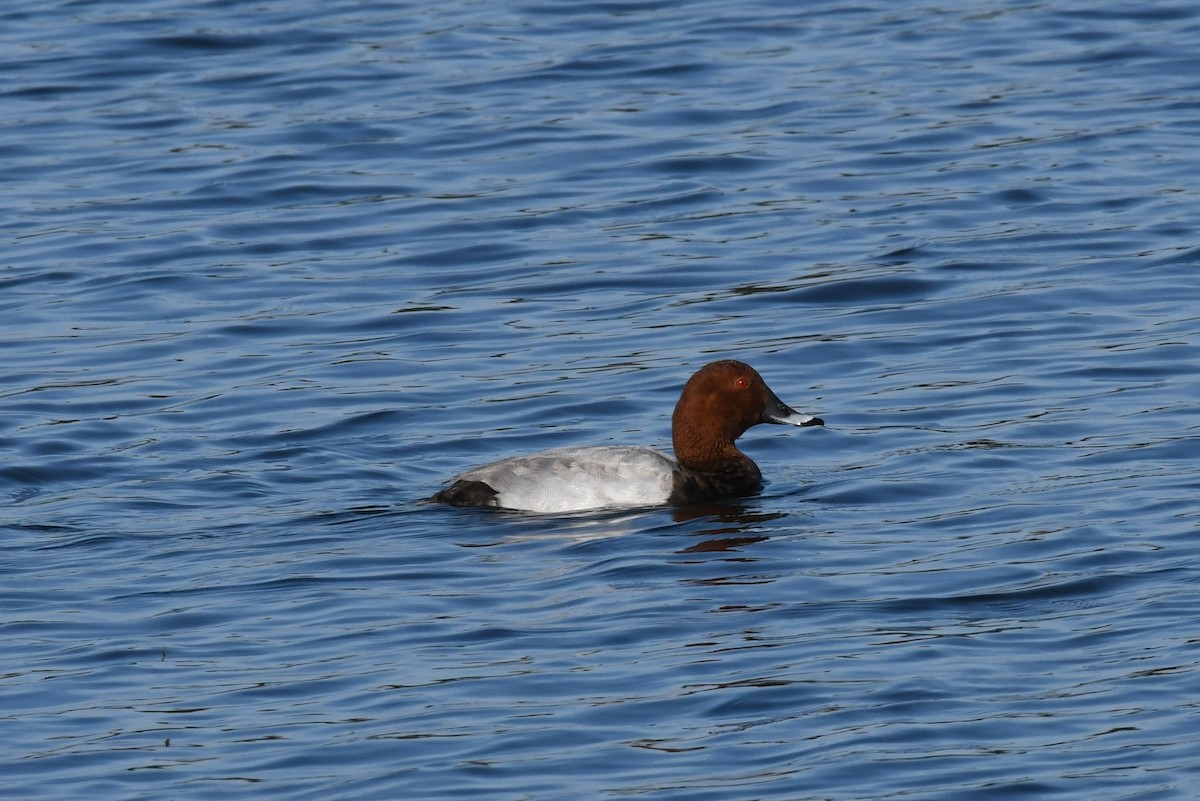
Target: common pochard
(717,405)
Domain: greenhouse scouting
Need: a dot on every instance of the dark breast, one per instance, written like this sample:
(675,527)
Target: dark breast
(692,486)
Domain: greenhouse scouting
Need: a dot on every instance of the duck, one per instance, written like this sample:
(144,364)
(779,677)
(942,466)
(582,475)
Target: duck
(717,405)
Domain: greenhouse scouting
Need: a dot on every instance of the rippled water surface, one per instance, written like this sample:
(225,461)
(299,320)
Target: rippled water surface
(272,272)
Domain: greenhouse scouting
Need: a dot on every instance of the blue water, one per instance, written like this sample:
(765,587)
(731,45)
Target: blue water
(273,271)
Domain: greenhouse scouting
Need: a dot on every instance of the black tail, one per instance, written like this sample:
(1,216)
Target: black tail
(467,493)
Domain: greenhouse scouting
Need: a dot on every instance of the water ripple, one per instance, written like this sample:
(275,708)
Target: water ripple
(275,272)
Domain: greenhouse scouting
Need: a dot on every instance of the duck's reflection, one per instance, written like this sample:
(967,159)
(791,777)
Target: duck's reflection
(712,527)
(731,526)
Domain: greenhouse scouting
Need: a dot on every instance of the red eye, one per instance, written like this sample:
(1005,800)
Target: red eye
(742,383)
